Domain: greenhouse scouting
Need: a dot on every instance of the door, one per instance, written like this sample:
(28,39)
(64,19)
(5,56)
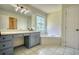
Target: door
(34,39)
(72,27)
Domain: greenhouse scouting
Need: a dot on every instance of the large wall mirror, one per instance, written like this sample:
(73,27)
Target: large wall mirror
(12,23)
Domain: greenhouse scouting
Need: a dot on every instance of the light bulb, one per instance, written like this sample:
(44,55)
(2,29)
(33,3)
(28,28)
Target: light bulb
(23,10)
(18,8)
(26,11)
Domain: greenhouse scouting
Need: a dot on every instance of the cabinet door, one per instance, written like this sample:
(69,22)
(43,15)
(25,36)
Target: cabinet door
(8,51)
(34,39)
(5,44)
(5,38)
(37,38)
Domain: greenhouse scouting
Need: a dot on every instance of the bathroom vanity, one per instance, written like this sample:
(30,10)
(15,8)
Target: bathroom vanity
(30,38)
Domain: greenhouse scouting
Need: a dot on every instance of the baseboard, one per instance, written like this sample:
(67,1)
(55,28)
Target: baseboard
(26,47)
(18,46)
(32,46)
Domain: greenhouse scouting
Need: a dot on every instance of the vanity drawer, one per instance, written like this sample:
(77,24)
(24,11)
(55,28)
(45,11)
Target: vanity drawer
(17,35)
(27,34)
(8,51)
(5,44)
(5,38)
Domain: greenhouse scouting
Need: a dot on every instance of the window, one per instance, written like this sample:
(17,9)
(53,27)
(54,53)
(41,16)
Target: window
(40,24)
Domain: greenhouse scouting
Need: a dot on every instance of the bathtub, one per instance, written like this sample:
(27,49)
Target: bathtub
(51,40)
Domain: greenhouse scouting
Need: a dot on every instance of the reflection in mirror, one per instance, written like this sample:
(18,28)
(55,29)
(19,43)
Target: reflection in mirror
(12,23)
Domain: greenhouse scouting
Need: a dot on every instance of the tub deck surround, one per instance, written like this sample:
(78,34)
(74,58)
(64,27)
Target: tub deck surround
(31,39)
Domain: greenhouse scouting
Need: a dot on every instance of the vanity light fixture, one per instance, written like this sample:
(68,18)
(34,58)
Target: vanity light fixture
(26,12)
(17,8)
(21,9)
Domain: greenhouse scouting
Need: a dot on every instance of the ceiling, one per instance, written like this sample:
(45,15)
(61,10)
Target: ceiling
(10,8)
(48,8)
(6,7)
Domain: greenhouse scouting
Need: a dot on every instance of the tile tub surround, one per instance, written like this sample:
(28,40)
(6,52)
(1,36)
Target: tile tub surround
(54,41)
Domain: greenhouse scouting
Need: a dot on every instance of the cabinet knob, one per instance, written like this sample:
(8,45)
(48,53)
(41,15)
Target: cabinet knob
(77,29)
(3,38)
(3,45)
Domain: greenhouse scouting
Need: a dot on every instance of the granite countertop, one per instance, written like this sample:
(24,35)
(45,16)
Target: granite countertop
(15,32)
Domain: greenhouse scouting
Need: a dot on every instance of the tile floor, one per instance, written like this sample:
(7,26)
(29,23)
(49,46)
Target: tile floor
(46,50)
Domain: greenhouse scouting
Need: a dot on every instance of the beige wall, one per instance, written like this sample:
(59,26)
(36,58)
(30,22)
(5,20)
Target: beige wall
(54,21)
(33,21)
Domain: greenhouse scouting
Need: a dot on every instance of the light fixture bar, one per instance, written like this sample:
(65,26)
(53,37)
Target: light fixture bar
(21,9)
